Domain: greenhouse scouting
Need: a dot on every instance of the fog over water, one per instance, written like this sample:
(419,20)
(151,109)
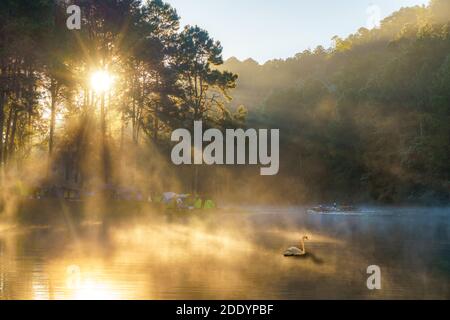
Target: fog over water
(99,200)
(233,255)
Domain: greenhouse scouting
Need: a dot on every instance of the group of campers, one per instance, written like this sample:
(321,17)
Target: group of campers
(174,201)
(167,200)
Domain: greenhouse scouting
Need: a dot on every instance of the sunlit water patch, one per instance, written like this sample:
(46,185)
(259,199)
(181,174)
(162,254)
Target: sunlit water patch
(231,256)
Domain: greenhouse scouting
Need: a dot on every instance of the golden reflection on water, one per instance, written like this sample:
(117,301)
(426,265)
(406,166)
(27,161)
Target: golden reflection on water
(196,260)
(173,260)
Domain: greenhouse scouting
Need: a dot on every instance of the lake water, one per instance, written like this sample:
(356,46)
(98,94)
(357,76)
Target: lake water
(231,256)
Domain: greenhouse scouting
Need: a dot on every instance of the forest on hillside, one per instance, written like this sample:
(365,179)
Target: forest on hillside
(365,120)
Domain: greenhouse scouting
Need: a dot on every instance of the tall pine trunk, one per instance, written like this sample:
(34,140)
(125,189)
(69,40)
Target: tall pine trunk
(8,130)
(13,135)
(2,124)
(53,93)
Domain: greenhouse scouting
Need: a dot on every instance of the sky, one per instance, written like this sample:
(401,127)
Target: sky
(273,29)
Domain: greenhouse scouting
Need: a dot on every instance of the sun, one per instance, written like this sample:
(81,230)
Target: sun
(101,81)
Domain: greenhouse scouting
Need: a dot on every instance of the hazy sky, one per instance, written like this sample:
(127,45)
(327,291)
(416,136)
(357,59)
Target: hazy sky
(268,29)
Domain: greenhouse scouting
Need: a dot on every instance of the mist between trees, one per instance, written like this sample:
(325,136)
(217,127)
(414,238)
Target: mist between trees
(365,120)
(62,126)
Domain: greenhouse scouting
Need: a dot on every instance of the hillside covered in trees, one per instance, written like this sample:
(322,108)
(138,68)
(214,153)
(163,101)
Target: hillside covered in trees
(365,120)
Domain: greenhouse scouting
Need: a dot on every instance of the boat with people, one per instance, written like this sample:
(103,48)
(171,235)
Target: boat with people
(333,209)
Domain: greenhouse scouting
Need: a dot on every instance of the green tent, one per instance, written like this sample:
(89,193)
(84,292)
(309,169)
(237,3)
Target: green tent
(198,203)
(209,204)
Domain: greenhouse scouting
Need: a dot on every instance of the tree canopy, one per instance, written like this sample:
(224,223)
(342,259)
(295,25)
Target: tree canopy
(366,119)
(162,76)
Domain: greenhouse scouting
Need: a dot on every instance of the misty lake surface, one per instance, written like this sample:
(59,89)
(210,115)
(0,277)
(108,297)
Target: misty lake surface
(232,256)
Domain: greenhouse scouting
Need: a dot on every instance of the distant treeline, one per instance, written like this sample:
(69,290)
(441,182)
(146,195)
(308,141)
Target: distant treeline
(368,119)
(365,120)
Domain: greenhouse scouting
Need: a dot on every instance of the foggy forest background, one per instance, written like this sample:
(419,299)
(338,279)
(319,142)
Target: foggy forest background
(365,120)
